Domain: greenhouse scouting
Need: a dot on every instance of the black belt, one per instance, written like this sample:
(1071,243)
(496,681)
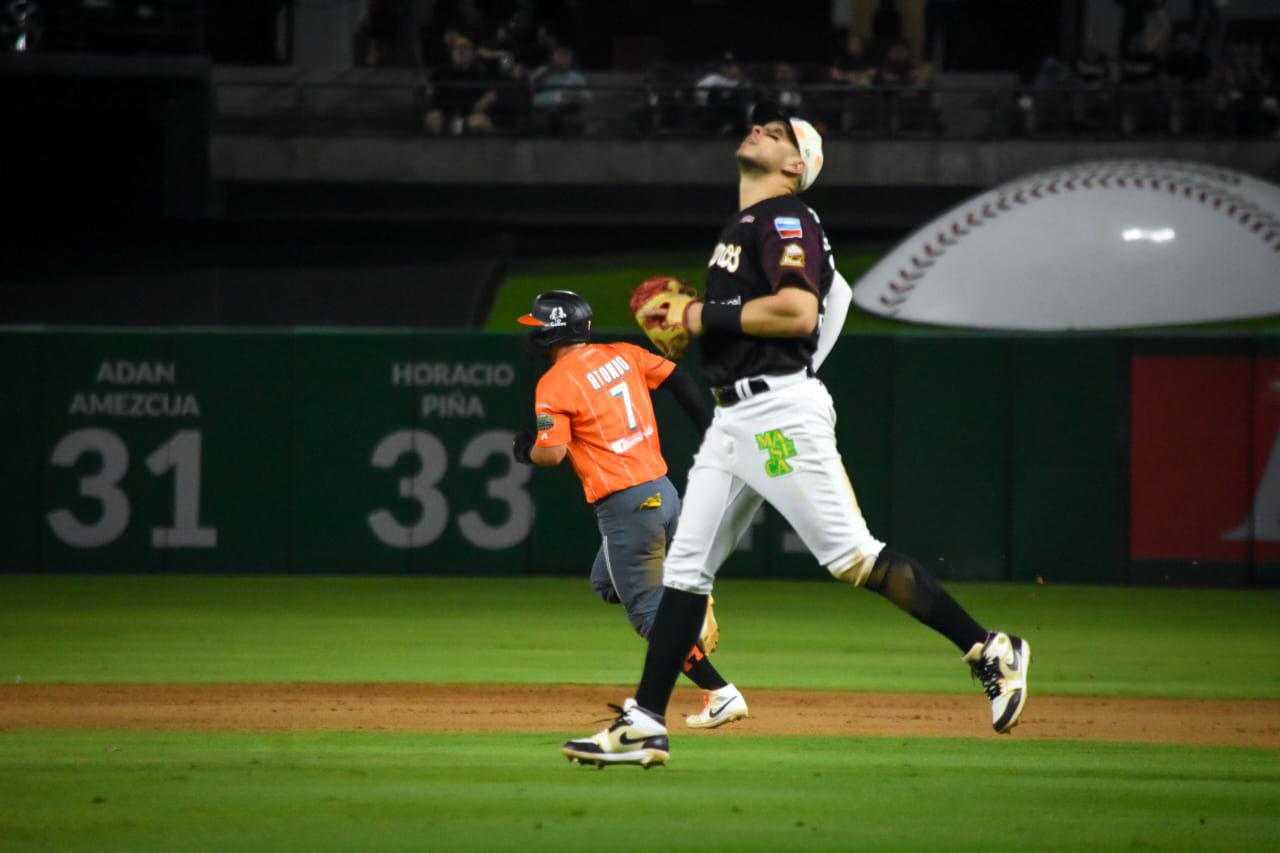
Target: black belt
(727,395)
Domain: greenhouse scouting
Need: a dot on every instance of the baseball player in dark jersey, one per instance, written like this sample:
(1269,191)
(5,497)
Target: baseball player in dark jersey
(774,434)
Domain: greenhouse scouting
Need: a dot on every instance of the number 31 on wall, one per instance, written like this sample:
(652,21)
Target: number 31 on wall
(181,454)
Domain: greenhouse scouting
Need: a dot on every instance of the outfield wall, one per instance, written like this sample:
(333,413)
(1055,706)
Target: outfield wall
(1067,458)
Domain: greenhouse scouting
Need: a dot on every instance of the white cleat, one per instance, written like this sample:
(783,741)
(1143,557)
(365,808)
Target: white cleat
(719,707)
(1001,664)
(635,737)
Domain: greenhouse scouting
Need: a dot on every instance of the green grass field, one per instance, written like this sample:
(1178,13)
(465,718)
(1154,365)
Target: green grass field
(72,790)
(131,791)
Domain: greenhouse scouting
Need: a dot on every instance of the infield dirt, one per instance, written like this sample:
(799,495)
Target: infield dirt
(573,708)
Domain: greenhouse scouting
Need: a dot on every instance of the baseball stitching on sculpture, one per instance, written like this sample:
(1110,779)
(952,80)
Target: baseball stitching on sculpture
(1085,176)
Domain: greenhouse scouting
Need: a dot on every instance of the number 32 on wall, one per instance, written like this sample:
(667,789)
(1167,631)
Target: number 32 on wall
(421,487)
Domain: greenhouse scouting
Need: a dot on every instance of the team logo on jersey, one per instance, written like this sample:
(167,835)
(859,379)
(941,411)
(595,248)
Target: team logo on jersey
(557,316)
(747,220)
(545,422)
(788,227)
(622,445)
(727,256)
(793,256)
(780,450)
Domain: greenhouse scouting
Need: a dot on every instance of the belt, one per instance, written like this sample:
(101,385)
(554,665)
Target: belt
(745,389)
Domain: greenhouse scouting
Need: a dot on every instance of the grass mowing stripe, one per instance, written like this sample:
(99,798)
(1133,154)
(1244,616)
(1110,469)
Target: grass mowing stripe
(131,790)
(1113,641)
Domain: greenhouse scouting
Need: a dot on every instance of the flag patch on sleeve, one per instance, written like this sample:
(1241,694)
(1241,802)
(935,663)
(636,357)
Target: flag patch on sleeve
(788,227)
(792,256)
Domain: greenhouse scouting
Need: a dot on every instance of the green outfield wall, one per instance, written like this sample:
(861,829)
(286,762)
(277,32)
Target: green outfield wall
(1066,458)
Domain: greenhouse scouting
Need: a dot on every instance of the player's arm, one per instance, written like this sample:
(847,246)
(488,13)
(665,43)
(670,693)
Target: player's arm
(835,310)
(548,443)
(526,451)
(792,312)
(548,457)
(685,389)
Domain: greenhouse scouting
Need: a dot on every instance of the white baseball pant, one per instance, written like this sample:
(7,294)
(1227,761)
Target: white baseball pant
(779,445)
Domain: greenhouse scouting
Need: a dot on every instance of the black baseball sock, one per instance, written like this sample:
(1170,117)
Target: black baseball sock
(700,671)
(904,581)
(675,630)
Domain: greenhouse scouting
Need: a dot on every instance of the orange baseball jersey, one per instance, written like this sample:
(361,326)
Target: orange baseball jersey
(596,400)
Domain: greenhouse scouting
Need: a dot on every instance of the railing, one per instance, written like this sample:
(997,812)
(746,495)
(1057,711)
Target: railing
(399,101)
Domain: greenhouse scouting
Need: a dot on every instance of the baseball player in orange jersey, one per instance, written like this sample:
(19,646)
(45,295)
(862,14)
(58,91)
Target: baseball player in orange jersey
(774,435)
(593,407)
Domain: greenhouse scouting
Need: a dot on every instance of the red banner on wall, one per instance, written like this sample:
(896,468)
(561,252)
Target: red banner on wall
(1262,524)
(1191,460)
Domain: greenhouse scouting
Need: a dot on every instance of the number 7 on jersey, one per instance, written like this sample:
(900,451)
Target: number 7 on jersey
(621,390)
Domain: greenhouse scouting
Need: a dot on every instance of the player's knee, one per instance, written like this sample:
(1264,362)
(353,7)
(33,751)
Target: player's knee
(854,569)
(687,575)
(604,589)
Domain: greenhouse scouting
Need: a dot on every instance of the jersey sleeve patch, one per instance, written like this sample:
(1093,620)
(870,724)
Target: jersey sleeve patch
(792,256)
(545,421)
(788,227)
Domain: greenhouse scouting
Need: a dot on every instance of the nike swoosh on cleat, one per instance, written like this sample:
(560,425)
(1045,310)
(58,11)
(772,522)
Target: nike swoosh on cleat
(622,738)
(718,711)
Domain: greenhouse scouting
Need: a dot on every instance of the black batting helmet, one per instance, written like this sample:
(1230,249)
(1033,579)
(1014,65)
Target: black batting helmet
(559,317)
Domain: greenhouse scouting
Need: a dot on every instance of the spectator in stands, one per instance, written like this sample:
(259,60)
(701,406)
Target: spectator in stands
(1070,96)
(897,69)
(1135,21)
(1092,66)
(461,93)
(855,66)
(437,50)
(911,109)
(450,19)
(1139,65)
(560,91)
(546,40)
(1144,107)
(501,55)
(785,86)
(499,52)
(723,98)
(860,109)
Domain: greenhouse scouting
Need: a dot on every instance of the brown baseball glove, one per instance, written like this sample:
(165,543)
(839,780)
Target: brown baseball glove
(659,305)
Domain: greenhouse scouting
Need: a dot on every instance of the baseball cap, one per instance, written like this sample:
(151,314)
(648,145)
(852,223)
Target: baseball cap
(804,135)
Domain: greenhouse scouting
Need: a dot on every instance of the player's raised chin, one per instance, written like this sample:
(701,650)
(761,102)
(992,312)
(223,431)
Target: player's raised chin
(768,149)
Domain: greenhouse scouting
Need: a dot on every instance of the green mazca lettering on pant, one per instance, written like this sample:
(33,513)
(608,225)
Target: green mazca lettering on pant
(780,450)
